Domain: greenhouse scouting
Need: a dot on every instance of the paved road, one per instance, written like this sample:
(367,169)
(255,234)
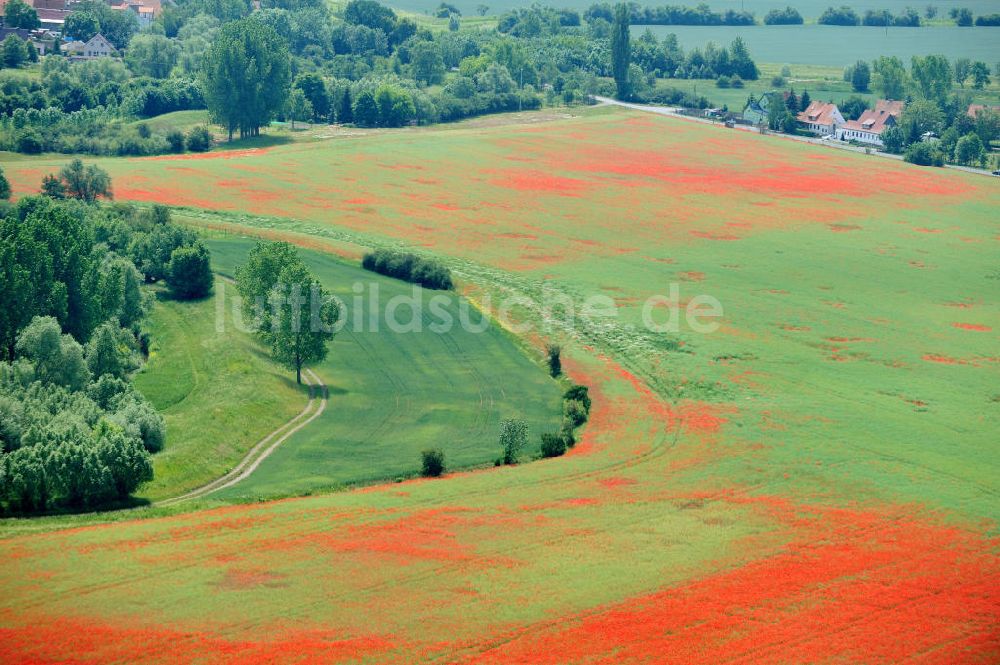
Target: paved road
(840,145)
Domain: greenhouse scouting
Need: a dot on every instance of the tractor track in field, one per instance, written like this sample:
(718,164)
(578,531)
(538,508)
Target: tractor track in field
(263,448)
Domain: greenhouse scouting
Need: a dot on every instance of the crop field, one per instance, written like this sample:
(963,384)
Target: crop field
(815,479)
(395,394)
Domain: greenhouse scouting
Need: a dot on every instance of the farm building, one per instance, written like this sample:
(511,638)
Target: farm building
(821,118)
(869,127)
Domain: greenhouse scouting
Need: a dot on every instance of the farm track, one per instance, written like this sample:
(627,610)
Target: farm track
(313,409)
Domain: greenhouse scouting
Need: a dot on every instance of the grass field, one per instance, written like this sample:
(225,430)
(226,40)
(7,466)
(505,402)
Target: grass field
(810,9)
(217,391)
(394,394)
(816,479)
(826,44)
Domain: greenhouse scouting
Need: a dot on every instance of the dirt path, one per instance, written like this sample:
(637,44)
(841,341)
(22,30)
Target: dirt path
(313,409)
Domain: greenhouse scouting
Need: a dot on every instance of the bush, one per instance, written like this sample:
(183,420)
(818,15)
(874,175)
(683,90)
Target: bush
(737,82)
(580,394)
(175,139)
(778,82)
(409,268)
(786,16)
(923,154)
(553,445)
(574,412)
(555,361)
(513,437)
(189,272)
(722,82)
(199,139)
(432,463)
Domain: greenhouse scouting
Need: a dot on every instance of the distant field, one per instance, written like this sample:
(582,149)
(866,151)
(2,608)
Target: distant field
(810,9)
(825,458)
(395,394)
(218,394)
(841,46)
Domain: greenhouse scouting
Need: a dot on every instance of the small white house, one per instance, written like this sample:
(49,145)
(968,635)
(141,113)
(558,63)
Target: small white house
(821,118)
(97,47)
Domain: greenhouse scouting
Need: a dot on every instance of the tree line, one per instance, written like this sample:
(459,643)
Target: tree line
(429,273)
(73,431)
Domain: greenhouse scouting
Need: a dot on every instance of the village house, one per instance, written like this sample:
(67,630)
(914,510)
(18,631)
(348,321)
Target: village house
(869,127)
(96,47)
(821,118)
(145,10)
(755,112)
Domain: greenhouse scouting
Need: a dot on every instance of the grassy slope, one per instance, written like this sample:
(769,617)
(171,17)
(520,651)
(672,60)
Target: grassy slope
(218,393)
(395,394)
(791,470)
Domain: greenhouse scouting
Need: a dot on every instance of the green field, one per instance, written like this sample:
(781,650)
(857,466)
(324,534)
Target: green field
(814,479)
(810,9)
(216,389)
(827,44)
(394,394)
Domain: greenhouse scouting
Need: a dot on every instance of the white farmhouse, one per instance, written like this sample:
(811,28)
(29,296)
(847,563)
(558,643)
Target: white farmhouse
(821,118)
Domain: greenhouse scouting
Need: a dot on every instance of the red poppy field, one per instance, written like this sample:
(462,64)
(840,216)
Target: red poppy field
(814,481)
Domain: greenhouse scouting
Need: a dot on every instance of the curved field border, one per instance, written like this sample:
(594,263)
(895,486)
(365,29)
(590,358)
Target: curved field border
(313,409)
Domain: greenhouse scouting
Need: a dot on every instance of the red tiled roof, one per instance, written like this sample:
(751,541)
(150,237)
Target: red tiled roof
(818,113)
(877,119)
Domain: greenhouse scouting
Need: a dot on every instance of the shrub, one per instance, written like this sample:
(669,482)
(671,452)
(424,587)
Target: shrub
(778,82)
(555,362)
(409,268)
(737,82)
(175,139)
(189,272)
(553,445)
(723,82)
(923,154)
(513,437)
(199,139)
(580,394)
(432,462)
(568,437)
(575,412)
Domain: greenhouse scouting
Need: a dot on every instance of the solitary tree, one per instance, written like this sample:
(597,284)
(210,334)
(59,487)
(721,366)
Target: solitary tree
(85,183)
(513,437)
(246,76)
(962,68)
(555,362)
(621,51)
(302,321)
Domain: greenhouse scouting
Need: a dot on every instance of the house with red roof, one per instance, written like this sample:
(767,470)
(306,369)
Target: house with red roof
(821,118)
(869,127)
